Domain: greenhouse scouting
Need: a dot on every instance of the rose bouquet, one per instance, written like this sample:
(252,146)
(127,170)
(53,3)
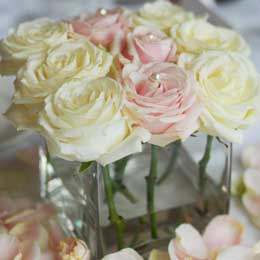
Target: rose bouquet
(100,86)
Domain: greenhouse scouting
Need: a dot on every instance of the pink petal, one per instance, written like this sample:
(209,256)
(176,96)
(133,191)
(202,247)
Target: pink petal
(31,231)
(252,181)
(30,251)
(252,204)
(9,247)
(125,254)
(22,216)
(222,232)
(55,235)
(236,253)
(49,255)
(6,206)
(188,243)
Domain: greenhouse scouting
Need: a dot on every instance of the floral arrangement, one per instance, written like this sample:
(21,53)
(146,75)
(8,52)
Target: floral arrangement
(99,85)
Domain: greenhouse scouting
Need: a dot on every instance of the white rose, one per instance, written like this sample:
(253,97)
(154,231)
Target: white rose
(46,72)
(30,38)
(230,91)
(198,35)
(83,121)
(161,14)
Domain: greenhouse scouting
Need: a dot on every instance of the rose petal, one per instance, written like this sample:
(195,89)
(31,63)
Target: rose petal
(252,204)
(125,254)
(222,232)
(31,231)
(188,243)
(252,181)
(236,253)
(30,251)
(250,156)
(9,247)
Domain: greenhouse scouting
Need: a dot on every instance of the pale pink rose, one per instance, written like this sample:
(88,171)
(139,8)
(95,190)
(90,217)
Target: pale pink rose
(102,27)
(146,44)
(222,233)
(162,98)
(73,249)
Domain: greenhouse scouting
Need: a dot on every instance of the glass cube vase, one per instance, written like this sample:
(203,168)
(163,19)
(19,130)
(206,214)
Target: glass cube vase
(148,207)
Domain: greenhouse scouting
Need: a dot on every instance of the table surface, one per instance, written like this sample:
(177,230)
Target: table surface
(234,13)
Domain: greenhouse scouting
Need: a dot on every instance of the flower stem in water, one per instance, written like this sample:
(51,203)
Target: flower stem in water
(151,183)
(116,220)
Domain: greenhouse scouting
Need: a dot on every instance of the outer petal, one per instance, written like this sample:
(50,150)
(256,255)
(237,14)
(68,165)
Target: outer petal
(252,205)
(132,144)
(31,231)
(222,232)
(125,254)
(188,244)
(9,247)
(252,181)
(30,251)
(237,253)
(250,156)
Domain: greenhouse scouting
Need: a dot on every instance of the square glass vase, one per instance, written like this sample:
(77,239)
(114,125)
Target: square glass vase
(126,204)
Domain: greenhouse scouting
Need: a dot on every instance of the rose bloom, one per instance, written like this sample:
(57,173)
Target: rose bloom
(30,38)
(221,233)
(162,98)
(146,44)
(103,26)
(198,35)
(125,254)
(44,73)
(161,14)
(83,121)
(230,91)
(73,249)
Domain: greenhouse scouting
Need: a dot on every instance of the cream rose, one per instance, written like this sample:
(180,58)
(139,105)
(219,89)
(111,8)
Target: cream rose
(230,91)
(30,38)
(162,98)
(83,121)
(161,14)
(198,35)
(46,72)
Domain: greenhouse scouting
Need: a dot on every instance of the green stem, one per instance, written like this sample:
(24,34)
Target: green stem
(118,185)
(116,220)
(121,188)
(203,163)
(120,166)
(171,164)
(151,181)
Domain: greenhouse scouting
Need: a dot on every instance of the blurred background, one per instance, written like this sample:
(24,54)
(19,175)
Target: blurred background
(242,15)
